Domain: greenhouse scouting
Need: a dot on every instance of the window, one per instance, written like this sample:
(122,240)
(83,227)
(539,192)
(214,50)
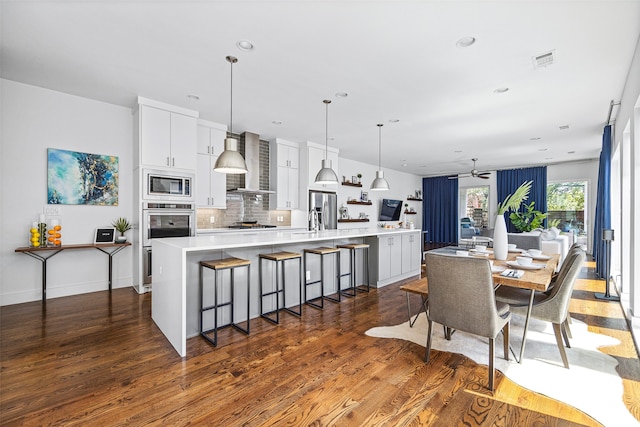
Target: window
(565,205)
(477,205)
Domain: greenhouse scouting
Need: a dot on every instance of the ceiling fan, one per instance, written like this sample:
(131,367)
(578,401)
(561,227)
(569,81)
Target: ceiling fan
(474,173)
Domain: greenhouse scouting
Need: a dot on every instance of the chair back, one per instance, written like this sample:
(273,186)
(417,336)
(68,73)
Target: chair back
(555,307)
(461,294)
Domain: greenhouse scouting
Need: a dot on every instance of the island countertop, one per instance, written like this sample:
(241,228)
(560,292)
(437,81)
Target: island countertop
(175,295)
(245,239)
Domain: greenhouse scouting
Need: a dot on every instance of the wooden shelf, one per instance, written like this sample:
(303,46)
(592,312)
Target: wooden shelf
(351,184)
(414,199)
(410,213)
(354,220)
(357,202)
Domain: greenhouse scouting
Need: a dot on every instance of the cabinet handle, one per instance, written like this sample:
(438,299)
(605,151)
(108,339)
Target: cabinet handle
(168,161)
(173,161)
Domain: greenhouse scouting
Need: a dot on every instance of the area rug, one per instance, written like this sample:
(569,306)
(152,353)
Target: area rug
(590,385)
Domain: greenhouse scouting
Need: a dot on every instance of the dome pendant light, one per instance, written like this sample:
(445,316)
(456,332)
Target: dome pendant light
(230,161)
(326,175)
(379,184)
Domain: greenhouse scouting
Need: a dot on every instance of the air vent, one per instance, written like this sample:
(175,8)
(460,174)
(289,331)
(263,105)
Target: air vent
(544,60)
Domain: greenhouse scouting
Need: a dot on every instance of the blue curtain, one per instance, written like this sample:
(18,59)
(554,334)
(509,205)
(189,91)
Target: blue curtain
(440,209)
(509,180)
(603,204)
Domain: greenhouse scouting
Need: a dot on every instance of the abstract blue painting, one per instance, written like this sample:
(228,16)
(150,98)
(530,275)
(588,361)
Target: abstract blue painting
(75,178)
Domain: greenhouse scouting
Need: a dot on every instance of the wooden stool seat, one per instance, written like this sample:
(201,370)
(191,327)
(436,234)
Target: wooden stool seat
(353,246)
(418,287)
(322,251)
(218,265)
(280,286)
(281,256)
(221,264)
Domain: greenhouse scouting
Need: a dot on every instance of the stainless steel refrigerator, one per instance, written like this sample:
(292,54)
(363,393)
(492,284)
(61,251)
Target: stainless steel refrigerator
(323,206)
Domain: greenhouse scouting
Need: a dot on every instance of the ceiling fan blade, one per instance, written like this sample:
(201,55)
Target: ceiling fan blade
(484,173)
(483,176)
(453,177)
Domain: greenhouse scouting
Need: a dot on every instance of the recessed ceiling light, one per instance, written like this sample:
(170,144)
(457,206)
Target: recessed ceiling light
(542,149)
(563,127)
(571,152)
(466,41)
(245,45)
(193,97)
(342,94)
(457,151)
(501,90)
(277,122)
(548,158)
(535,138)
(394,120)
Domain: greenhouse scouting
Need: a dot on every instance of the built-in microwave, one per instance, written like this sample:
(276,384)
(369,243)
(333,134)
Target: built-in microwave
(164,185)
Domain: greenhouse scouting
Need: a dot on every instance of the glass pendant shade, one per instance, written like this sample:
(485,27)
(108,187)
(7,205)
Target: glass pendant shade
(230,161)
(379,184)
(326,175)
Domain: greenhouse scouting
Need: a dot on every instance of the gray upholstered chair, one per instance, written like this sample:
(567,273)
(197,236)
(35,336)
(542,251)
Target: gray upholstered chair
(461,297)
(525,240)
(552,307)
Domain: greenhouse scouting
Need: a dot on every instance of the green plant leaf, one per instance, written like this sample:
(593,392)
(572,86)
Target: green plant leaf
(513,201)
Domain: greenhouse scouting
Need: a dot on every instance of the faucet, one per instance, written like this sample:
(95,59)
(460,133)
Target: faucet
(313,220)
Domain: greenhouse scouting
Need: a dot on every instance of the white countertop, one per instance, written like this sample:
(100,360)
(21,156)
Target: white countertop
(267,237)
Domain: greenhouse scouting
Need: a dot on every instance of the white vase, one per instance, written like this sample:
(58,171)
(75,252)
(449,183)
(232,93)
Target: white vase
(500,239)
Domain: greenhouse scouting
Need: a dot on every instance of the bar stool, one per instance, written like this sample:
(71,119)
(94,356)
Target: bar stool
(353,248)
(322,251)
(218,266)
(280,286)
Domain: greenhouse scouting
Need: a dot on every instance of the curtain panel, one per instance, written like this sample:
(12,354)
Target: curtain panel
(508,181)
(603,204)
(440,209)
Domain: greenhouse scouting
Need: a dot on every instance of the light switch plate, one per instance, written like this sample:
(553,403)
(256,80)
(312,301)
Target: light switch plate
(51,210)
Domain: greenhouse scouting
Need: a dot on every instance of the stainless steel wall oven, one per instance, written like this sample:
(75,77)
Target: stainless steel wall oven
(164,219)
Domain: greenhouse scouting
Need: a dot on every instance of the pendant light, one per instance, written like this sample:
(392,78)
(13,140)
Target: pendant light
(326,175)
(379,184)
(230,161)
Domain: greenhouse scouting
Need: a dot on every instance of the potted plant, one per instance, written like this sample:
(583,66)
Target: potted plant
(528,220)
(122,225)
(511,203)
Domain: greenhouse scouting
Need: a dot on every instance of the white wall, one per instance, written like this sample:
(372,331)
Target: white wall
(34,119)
(401,185)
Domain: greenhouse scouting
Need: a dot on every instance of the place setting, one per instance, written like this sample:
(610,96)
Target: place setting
(525,263)
(536,254)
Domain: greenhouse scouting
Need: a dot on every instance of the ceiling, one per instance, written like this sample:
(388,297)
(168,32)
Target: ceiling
(396,60)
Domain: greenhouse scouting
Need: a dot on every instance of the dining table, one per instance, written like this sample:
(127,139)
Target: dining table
(534,280)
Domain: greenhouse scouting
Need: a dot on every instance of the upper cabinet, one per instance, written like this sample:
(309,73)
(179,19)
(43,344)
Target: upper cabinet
(211,187)
(167,134)
(285,174)
(315,155)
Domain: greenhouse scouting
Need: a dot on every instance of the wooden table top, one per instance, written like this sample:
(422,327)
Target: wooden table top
(76,246)
(537,280)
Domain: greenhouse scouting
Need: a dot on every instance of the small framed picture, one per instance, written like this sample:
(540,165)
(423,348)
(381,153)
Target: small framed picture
(105,235)
(418,194)
(364,196)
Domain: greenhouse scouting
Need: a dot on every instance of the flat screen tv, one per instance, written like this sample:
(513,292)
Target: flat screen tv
(390,210)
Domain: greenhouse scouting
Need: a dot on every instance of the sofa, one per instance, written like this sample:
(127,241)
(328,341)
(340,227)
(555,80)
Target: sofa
(468,228)
(551,242)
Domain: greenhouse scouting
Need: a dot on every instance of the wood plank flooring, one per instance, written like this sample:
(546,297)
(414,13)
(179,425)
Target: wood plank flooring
(98,359)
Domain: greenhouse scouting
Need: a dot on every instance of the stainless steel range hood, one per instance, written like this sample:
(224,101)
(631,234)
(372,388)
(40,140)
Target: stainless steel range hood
(252,159)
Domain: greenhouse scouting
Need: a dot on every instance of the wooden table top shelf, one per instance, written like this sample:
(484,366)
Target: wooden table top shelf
(74,246)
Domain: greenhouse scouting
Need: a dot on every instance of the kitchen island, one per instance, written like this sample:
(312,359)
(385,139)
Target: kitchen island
(175,296)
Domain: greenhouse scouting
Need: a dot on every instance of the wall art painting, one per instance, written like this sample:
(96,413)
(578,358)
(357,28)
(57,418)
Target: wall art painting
(75,178)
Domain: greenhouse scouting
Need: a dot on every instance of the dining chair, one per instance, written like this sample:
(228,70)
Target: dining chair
(552,307)
(461,297)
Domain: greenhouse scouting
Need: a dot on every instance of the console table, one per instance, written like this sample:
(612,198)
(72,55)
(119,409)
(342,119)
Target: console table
(40,254)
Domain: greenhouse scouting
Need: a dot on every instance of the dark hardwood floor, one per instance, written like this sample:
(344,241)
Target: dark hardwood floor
(98,359)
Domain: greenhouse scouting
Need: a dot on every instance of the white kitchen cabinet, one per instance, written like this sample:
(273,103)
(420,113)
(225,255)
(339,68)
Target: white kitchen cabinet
(315,157)
(389,261)
(167,139)
(285,174)
(411,252)
(211,187)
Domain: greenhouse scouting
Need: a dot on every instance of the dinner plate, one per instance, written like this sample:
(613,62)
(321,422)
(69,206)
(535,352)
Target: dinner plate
(479,254)
(531,266)
(537,257)
(497,269)
(516,250)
